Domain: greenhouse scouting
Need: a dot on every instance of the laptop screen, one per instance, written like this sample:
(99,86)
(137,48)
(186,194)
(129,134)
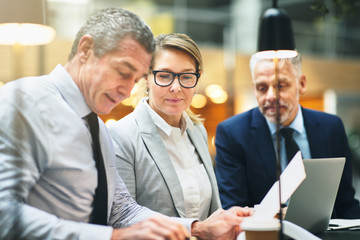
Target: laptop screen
(311,205)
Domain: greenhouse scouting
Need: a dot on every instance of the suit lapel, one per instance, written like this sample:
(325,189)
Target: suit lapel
(314,134)
(202,149)
(264,144)
(156,148)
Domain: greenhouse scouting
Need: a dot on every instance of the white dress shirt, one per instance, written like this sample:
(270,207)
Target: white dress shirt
(299,136)
(47,171)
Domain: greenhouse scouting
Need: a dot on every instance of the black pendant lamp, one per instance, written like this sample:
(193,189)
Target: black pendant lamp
(275,37)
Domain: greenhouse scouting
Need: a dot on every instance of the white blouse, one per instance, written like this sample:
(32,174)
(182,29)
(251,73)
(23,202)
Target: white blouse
(190,170)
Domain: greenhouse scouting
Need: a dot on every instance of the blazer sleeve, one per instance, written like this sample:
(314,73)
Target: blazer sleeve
(229,169)
(346,206)
(125,152)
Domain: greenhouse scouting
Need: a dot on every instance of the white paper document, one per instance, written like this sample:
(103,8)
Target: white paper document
(342,224)
(290,179)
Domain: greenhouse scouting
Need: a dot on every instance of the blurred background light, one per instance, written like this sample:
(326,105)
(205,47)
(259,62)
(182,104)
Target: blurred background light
(25,34)
(110,121)
(24,22)
(216,93)
(199,101)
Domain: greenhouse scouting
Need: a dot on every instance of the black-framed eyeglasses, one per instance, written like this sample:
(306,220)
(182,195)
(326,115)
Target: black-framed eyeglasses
(166,78)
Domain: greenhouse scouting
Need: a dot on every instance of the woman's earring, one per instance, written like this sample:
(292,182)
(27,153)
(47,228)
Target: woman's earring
(147,91)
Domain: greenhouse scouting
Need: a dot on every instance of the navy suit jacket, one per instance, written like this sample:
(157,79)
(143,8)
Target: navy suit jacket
(246,161)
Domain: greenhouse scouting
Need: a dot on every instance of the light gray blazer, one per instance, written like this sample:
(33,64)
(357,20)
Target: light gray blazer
(145,165)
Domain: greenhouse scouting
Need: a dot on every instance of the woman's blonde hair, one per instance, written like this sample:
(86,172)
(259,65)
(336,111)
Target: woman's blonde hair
(180,42)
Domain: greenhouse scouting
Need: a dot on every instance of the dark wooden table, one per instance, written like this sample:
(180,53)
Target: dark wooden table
(340,235)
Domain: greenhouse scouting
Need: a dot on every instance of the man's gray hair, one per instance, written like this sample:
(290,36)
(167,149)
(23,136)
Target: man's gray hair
(296,62)
(107,27)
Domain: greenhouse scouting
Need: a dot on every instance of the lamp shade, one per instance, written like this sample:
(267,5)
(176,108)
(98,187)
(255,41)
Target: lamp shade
(22,21)
(275,34)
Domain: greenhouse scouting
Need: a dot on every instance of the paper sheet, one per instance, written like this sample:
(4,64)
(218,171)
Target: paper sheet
(343,224)
(290,179)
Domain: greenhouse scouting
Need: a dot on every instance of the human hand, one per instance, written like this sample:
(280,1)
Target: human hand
(158,227)
(222,224)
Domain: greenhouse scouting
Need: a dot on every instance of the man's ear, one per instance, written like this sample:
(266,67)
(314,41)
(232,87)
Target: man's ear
(85,47)
(302,84)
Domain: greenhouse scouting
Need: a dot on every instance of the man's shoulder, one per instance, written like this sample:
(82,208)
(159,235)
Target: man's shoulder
(241,121)
(29,93)
(315,115)
(244,116)
(28,85)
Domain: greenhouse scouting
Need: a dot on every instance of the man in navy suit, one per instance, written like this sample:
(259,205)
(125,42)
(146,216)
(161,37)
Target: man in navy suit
(245,143)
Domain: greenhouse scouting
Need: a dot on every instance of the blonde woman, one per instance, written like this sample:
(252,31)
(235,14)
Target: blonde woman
(161,147)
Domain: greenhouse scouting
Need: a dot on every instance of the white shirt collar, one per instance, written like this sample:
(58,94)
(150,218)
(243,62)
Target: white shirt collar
(69,91)
(163,125)
(297,124)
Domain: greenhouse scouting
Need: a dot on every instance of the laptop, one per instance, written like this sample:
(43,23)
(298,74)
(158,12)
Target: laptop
(311,205)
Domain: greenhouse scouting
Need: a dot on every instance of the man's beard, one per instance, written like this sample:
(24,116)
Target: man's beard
(271,116)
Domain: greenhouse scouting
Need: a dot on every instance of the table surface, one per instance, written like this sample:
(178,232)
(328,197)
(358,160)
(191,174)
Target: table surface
(340,235)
